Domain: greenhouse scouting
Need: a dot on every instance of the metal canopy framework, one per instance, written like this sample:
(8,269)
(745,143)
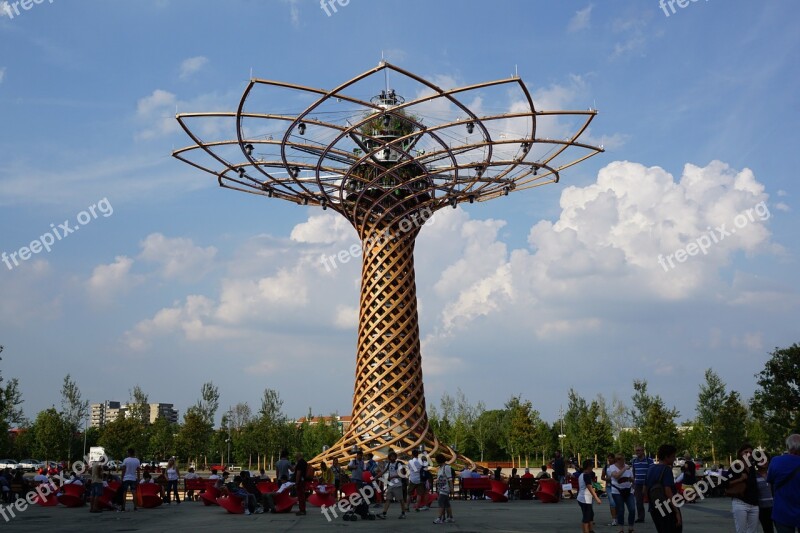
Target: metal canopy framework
(387,163)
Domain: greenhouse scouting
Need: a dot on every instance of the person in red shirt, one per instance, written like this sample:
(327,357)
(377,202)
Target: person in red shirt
(527,473)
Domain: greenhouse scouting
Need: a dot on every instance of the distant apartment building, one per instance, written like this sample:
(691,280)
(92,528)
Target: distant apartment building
(104,413)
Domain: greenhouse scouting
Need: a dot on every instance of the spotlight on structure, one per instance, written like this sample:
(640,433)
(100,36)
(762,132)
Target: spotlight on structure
(506,190)
(453,202)
(386,121)
(302,128)
(248,148)
(470,127)
(241,172)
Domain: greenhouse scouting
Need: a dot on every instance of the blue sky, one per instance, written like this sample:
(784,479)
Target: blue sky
(547,289)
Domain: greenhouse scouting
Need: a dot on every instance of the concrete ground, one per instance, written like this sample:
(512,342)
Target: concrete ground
(710,516)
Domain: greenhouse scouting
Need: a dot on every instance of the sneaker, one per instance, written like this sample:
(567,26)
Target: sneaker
(300,513)
(381,516)
(247,511)
(423,508)
(613,523)
(259,510)
(450,520)
(438,521)
(402,516)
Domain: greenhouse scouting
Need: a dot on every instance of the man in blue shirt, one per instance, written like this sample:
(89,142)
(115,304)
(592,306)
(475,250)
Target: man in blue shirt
(641,464)
(666,515)
(784,476)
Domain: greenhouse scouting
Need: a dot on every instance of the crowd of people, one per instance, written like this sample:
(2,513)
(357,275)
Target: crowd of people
(764,490)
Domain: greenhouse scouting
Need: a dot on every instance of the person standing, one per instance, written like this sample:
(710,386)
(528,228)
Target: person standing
(587,496)
(666,517)
(610,460)
(130,473)
(337,475)
(784,476)
(745,505)
(444,485)
(96,472)
(283,465)
(559,468)
(356,468)
(765,499)
(173,475)
(415,483)
(394,485)
(641,465)
(300,467)
(620,476)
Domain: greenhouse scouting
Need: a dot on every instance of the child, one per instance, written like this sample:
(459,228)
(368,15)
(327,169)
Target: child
(444,485)
(586,495)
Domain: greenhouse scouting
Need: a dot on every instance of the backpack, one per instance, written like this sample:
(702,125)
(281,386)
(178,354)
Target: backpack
(309,475)
(656,491)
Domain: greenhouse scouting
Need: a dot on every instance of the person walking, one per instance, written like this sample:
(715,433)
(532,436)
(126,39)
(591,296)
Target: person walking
(130,474)
(666,517)
(587,496)
(640,465)
(444,485)
(784,476)
(173,475)
(620,476)
(745,504)
(415,483)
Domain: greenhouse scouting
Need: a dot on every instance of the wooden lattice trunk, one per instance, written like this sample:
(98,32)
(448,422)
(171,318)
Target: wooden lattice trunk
(389,398)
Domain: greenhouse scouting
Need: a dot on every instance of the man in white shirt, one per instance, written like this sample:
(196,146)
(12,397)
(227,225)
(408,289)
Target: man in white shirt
(130,471)
(269,498)
(415,483)
(190,475)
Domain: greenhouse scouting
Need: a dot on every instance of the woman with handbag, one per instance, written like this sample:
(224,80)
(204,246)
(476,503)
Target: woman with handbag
(621,477)
(743,490)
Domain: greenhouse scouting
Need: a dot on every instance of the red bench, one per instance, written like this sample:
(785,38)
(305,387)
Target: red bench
(231,503)
(209,497)
(497,492)
(481,484)
(197,486)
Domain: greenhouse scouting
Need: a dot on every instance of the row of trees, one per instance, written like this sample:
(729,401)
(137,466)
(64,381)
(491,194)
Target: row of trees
(721,422)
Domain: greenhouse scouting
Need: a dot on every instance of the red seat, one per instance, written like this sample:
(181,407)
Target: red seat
(231,503)
(149,495)
(265,487)
(51,500)
(72,495)
(318,499)
(548,491)
(209,497)
(107,498)
(348,489)
(497,491)
(283,502)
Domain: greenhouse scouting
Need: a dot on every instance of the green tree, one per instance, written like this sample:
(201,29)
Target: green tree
(162,438)
(732,426)
(138,406)
(194,437)
(659,426)
(710,400)
(74,410)
(208,403)
(124,433)
(777,400)
(49,430)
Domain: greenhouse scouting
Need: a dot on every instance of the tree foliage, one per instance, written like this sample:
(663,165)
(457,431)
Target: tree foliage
(777,400)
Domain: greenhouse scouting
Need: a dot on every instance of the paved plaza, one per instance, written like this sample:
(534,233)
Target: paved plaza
(709,516)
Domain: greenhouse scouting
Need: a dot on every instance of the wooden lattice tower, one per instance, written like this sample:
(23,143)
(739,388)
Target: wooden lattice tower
(387,164)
